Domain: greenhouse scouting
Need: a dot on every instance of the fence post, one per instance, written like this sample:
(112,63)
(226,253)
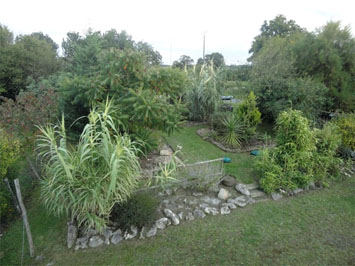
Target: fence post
(24,217)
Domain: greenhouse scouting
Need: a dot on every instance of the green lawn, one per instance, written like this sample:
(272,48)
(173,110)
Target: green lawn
(314,228)
(194,149)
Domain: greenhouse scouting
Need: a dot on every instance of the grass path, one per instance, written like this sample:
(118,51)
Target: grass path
(314,228)
(194,149)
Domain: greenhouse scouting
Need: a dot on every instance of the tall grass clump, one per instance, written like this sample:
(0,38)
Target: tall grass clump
(86,180)
(203,97)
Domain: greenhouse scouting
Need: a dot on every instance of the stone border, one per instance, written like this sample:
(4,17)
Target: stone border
(197,206)
(223,148)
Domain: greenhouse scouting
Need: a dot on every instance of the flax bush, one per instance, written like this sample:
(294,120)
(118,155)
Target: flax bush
(85,181)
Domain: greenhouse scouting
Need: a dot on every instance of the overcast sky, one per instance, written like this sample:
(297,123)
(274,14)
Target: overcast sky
(173,27)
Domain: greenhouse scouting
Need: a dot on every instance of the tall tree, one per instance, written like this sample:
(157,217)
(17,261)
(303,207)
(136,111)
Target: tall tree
(279,26)
(184,61)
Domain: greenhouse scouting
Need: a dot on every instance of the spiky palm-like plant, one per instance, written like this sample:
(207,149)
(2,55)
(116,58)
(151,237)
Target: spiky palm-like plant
(232,131)
(86,180)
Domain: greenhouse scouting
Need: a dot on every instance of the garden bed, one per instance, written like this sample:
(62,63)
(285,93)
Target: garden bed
(204,133)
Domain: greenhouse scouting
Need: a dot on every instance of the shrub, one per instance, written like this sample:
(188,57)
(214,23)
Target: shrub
(30,108)
(139,210)
(326,165)
(84,182)
(346,125)
(290,164)
(249,115)
(9,154)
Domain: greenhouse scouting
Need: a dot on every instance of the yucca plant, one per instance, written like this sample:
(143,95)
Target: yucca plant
(85,181)
(232,131)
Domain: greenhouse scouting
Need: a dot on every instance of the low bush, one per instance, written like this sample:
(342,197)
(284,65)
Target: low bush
(139,210)
(249,115)
(346,125)
(326,164)
(9,154)
(302,155)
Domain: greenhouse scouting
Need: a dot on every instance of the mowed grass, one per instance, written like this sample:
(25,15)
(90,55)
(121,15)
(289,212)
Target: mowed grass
(195,149)
(313,228)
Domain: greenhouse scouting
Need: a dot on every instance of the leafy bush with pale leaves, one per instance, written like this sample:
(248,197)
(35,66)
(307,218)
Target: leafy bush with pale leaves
(85,181)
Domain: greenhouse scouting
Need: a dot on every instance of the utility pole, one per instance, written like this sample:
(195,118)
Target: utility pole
(204,40)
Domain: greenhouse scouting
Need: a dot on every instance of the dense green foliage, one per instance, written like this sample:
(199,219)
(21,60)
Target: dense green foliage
(85,181)
(28,57)
(9,153)
(300,156)
(310,72)
(249,115)
(20,117)
(139,210)
(184,61)
(279,26)
(145,96)
(346,126)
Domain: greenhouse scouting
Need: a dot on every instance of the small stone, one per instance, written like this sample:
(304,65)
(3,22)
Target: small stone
(180,206)
(240,201)
(230,205)
(297,190)
(162,223)
(170,214)
(211,201)
(312,185)
(95,241)
(229,181)
(211,210)
(242,189)
(198,213)
(72,234)
(276,196)
(142,232)
(107,233)
(134,232)
(197,194)
(166,152)
(152,231)
(223,194)
(250,200)
(81,243)
(204,205)
(166,202)
(189,216)
(225,210)
(116,237)
(181,215)
(39,257)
